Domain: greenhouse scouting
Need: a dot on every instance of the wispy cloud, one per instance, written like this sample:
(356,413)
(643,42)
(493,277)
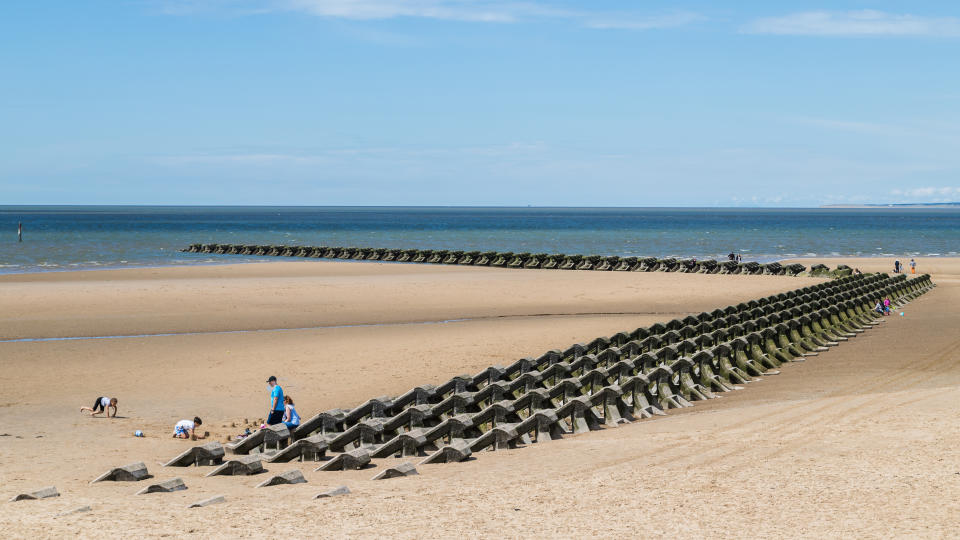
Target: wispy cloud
(930,194)
(483,11)
(854,23)
(870,128)
(933,133)
(326,156)
(672,20)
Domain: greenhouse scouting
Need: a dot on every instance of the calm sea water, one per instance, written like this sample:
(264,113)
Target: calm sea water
(84,237)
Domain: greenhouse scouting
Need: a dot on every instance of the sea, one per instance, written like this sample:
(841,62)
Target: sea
(62,238)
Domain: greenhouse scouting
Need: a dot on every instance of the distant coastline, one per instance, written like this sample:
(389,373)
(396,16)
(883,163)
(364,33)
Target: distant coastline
(895,205)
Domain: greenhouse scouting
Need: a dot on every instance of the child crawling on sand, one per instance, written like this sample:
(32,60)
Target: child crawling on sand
(186,429)
(102,404)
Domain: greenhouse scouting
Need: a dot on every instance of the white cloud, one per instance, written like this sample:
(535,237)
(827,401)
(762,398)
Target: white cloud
(490,11)
(854,23)
(462,10)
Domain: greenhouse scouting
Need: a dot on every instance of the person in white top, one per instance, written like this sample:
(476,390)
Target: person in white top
(102,404)
(290,416)
(186,429)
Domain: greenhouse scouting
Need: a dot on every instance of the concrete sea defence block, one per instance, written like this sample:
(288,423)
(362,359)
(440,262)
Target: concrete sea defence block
(457,450)
(403,469)
(241,466)
(208,454)
(276,435)
(77,510)
(287,477)
(342,490)
(310,448)
(247,444)
(133,472)
(207,502)
(354,459)
(168,486)
(42,493)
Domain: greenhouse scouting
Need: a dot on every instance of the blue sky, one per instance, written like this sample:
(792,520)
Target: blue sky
(475,102)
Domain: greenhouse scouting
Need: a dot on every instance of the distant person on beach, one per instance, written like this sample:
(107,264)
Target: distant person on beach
(896,267)
(739,258)
(913,266)
(290,416)
(732,256)
(19,231)
(275,416)
(186,429)
(886,306)
(879,307)
(102,404)
(857,271)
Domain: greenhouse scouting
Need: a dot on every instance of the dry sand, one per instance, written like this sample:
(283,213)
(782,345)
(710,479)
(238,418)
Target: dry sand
(860,441)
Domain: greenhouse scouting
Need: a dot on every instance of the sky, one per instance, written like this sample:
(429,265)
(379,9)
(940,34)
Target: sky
(479,102)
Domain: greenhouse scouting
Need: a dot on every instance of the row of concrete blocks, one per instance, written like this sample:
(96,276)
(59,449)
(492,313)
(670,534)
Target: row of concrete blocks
(698,331)
(213,454)
(522,260)
(566,396)
(497,372)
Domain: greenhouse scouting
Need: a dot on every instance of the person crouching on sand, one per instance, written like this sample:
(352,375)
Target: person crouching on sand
(186,429)
(102,404)
(290,416)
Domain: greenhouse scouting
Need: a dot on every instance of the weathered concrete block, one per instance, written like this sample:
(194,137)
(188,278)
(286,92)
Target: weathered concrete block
(77,510)
(288,477)
(276,436)
(44,493)
(247,444)
(168,486)
(403,469)
(354,459)
(310,448)
(457,450)
(241,466)
(207,502)
(133,472)
(207,454)
(342,490)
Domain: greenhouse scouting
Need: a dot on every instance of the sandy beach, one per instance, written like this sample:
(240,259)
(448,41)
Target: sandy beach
(831,447)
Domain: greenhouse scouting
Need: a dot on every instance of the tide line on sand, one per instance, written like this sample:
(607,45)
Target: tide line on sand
(335,326)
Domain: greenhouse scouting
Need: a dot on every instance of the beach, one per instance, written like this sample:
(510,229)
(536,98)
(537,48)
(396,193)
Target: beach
(831,446)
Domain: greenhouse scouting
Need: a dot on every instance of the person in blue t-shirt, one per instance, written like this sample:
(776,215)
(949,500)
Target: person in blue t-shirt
(275,416)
